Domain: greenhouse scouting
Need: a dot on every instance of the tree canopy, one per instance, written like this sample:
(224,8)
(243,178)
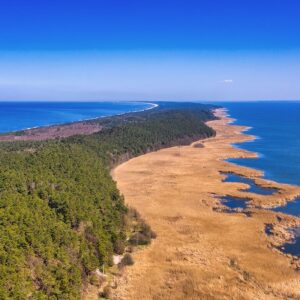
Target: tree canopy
(61,215)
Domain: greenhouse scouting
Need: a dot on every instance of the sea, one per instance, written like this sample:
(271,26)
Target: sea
(276,126)
(16,116)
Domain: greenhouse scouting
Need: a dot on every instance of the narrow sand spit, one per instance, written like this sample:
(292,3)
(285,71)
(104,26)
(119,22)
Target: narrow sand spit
(201,251)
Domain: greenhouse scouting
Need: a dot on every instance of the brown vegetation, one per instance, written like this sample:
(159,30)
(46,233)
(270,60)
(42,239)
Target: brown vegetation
(53,132)
(201,253)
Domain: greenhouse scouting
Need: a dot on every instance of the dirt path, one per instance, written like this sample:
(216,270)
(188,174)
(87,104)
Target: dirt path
(201,253)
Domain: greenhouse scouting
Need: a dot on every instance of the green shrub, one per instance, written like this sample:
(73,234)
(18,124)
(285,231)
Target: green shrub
(139,239)
(127,260)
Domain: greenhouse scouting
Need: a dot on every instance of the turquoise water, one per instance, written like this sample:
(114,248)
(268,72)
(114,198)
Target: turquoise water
(277,127)
(21,115)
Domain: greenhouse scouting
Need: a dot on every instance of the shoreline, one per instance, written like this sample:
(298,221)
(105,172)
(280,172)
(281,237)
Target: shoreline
(81,120)
(83,126)
(177,170)
(289,192)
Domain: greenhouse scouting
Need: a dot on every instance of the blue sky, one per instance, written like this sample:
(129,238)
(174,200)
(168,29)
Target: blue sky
(140,50)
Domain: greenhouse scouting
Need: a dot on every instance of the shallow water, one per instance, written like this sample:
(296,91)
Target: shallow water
(268,229)
(253,187)
(291,208)
(277,126)
(293,247)
(233,203)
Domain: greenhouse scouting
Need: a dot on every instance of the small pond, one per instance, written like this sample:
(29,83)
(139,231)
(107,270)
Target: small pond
(233,202)
(294,246)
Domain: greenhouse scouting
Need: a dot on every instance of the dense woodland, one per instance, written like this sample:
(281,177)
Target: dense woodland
(61,215)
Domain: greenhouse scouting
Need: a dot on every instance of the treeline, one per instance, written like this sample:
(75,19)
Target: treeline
(146,132)
(61,215)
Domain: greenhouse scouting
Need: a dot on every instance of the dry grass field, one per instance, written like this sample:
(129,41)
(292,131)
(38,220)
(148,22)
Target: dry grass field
(202,252)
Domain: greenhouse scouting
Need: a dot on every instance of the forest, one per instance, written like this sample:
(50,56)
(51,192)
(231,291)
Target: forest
(61,214)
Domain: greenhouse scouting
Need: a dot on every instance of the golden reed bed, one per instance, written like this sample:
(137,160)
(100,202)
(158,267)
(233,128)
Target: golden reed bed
(201,253)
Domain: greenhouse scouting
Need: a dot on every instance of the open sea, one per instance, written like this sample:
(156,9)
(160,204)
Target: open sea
(277,128)
(22,115)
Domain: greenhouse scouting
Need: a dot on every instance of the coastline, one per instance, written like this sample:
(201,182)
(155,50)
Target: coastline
(82,120)
(64,129)
(164,187)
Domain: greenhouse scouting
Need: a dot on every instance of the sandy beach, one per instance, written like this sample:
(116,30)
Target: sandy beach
(202,252)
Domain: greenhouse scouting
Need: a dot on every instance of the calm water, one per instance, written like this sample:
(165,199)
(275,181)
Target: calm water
(253,188)
(277,127)
(293,248)
(21,115)
(232,202)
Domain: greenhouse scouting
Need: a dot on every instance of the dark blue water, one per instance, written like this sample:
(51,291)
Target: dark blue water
(253,188)
(232,202)
(292,208)
(293,247)
(21,115)
(277,126)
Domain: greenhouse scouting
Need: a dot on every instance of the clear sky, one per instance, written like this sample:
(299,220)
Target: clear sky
(150,50)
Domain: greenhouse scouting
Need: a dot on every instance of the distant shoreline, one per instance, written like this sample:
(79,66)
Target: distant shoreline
(64,129)
(87,119)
